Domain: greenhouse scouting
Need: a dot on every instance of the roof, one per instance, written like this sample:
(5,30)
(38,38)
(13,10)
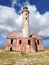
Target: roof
(36,36)
(25,8)
(13,35)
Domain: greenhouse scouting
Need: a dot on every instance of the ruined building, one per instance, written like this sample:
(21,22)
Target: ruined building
(26,43)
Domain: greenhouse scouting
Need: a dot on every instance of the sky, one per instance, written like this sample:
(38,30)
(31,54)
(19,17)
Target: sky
(11,18)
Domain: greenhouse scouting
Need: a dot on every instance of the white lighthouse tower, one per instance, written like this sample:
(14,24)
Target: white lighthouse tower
(25,22)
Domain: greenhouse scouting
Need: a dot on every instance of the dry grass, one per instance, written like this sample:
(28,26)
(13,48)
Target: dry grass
(16,58)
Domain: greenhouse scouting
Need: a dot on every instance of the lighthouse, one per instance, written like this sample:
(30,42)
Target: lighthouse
(25,22)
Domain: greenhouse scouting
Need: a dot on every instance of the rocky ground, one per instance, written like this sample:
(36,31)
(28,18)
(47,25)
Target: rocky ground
(16,58)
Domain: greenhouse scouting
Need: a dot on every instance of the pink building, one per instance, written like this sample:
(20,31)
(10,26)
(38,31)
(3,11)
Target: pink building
(24,44)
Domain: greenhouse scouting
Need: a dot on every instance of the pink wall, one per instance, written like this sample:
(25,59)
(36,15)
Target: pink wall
(24,46)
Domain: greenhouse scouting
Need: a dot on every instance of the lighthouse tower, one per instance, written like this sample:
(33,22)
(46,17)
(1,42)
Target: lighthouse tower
(25,22)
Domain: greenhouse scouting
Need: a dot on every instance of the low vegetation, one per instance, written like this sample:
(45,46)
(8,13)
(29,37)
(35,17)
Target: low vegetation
(17,58)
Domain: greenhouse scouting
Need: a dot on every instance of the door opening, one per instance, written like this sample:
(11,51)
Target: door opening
(11,49)
(35,44)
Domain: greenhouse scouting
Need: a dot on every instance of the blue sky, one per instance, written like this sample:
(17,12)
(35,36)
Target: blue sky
(42,5)
(10,10)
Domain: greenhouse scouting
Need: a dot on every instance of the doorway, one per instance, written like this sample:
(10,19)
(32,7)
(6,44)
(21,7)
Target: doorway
(11,49)
(35,44)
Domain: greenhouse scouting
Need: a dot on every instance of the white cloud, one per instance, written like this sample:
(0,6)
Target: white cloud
(11,21)
(8,20)
(17,3)
(39,23)
(13,2)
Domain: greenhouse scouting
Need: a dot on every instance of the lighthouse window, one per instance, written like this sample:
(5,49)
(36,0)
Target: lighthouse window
(28,42)
(26,13)
(26,18)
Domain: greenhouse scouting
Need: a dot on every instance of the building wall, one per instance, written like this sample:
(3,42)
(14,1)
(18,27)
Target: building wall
(23,47)
(9,45)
